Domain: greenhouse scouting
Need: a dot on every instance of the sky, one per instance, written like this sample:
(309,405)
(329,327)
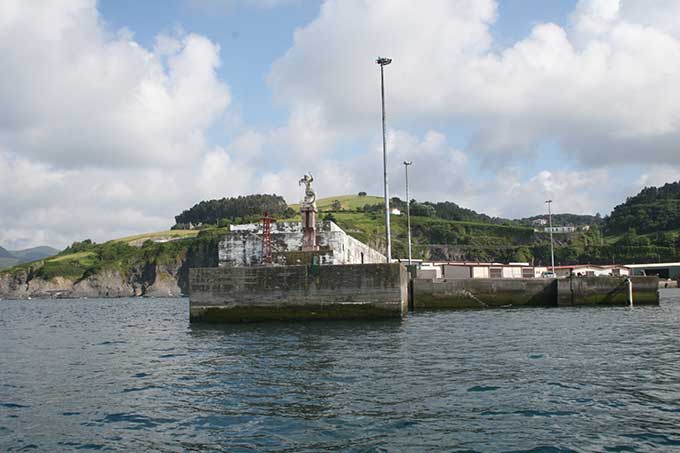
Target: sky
(117,115)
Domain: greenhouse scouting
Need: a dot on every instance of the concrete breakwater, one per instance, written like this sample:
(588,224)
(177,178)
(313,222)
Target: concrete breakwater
(246,294)
(607,291)
(483,293)
(303,292)
(494,292)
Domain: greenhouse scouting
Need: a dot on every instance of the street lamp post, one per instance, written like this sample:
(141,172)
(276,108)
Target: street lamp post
(408,210)
(552,247)
(384,62)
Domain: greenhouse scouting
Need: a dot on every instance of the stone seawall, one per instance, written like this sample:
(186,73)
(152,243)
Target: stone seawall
(607,291)
(246,294)
(483,293)
(500,292)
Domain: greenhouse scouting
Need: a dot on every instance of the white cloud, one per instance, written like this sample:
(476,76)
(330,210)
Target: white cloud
(100,137)
(74,94)
(605,89)
(578,192)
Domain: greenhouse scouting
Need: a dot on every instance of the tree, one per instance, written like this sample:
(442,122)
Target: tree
(423,210)
(212,211)
(362,194)
(336,205)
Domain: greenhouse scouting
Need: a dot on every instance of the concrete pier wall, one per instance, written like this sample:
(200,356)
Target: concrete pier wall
(498,292)
(483,293)
(247,294)
(607,291)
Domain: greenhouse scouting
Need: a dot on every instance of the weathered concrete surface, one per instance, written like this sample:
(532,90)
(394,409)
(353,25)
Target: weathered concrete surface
(248,294)
(492,292)
(242,246)
(607,291)
(483,293)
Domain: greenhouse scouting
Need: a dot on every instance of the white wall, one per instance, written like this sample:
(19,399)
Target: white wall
(242,246)
(480,272)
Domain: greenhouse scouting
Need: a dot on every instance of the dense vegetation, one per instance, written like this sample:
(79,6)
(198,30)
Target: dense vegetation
(565,219)
(652,210)
(230,210)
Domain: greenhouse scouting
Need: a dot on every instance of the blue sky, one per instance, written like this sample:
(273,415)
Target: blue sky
(251,37)
(119,114)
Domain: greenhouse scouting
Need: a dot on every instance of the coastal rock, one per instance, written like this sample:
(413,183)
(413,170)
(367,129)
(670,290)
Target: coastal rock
(13,286)
(148,279)
(105,284)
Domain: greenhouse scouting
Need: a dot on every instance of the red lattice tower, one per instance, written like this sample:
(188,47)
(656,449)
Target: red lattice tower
(266,238)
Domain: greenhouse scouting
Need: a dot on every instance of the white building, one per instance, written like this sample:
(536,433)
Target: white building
(242,246)
(560,229)
(456,270)
(540,222)
(589,270)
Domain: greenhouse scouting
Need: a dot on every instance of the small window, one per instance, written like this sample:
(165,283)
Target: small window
(527,272)
(495,272)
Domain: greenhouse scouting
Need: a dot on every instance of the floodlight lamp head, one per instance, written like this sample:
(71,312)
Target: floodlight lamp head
(382,61)
(407,162)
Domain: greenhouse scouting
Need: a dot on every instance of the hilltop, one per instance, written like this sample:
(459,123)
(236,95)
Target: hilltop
(653,210)
(347,202)
(9,258)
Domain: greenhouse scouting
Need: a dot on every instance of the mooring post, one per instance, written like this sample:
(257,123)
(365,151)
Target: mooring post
(630,292)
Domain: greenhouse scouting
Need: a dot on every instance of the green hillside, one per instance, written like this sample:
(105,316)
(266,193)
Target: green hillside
(564,219)
(124,255)
(347,202)
(653,210)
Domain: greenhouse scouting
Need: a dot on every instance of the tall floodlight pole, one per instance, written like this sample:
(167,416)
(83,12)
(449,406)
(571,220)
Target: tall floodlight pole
(552,247)
(384,62)
(408,210)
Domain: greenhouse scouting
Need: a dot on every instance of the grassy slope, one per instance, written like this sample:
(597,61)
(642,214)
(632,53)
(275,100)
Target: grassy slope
(348,202)
(118,254)
(159,235)
(368,227)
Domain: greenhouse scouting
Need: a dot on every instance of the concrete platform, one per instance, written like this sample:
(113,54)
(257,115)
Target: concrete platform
(483,293)
(607,291)
(276,293)
(504,292)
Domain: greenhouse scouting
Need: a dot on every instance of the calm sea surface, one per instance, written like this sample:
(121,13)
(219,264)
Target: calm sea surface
(134,375)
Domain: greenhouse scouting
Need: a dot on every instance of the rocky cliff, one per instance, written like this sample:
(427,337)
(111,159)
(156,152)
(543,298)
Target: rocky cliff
(148,277)
(152,281)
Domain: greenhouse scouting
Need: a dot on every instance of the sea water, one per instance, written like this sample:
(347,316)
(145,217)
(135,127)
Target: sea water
(135,375)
